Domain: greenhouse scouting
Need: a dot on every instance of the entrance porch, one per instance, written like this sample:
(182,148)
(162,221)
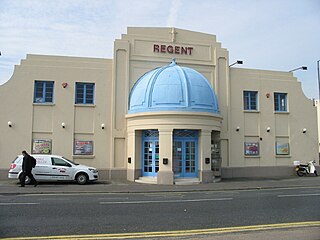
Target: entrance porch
(170,153)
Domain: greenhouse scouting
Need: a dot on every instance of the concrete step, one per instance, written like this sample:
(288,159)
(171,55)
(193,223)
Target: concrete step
(147,180)
(177,181)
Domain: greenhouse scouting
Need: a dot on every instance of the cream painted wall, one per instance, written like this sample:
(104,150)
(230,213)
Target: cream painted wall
(134,56)
(301,114)
(43,121)
(317,103)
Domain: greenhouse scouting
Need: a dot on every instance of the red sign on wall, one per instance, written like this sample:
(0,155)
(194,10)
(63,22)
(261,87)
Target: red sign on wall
(162,48)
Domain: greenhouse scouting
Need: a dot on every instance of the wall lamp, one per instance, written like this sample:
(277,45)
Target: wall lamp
(63,125)
(237,128)
(102,126)
(304,130)
(304,68)
(9,124)
(268,129)
(236,62)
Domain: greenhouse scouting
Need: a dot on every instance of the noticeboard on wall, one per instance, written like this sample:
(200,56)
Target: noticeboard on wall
(41,146)
(83,147)
(251,149)
(282,148)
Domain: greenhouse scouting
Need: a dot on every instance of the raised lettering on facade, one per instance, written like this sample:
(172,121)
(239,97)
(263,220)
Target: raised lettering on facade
(161,48)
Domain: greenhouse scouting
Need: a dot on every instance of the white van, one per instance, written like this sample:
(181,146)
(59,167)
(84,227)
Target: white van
(54,168)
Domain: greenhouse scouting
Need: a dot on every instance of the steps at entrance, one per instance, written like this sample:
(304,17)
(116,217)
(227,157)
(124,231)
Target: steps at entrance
(177,181)
(147,180)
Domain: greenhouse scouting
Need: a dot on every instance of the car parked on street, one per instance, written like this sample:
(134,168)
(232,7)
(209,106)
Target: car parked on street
(54,168)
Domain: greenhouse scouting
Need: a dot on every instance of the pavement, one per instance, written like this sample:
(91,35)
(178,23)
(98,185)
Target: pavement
(11,186)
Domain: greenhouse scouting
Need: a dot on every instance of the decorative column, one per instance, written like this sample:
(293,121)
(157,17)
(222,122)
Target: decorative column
(131,161)
(165,173)
(134,155)
(205,173)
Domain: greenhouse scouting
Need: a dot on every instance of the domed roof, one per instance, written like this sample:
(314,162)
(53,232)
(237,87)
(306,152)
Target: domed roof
(172,88)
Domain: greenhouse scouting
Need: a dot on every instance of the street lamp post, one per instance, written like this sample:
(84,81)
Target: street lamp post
(302,68)
(236,62)
(318,78)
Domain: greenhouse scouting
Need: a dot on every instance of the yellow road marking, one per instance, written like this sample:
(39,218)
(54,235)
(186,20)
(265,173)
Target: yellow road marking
(178,233)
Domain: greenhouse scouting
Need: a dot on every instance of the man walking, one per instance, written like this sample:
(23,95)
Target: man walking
(27,166)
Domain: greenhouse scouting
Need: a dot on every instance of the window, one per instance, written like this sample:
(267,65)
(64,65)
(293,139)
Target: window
(43,92)
(280,102)
(250,100)
(84,93)
(59,162)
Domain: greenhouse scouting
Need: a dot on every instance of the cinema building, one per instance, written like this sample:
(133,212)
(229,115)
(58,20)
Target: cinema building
(168,108)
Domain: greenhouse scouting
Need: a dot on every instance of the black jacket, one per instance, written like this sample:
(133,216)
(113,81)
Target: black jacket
(27,163)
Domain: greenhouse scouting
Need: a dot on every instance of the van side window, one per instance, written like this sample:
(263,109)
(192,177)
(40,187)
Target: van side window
(59,162)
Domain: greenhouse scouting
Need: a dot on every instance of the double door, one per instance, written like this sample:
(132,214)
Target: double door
(185,158)
(184,152)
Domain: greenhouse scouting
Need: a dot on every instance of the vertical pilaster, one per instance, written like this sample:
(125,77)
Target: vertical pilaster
(120,95)
(205,172)
(131,160)
(134,155)
(165,173)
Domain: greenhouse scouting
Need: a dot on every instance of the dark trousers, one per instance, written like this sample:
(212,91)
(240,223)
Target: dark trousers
(23,178)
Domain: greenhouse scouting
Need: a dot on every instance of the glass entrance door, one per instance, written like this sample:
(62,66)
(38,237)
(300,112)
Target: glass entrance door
(185,161)
(150,161)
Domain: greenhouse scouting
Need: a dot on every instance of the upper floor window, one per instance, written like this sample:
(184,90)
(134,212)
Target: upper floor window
(250,100)
(280,102)
(43,92)
(84,93)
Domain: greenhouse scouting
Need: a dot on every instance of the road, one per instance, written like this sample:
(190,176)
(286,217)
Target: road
(33,215)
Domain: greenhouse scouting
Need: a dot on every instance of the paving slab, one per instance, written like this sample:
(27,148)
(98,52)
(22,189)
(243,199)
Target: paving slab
(11,186)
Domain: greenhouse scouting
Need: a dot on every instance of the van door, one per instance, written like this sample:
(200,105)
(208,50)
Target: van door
(60,169)
(42,171)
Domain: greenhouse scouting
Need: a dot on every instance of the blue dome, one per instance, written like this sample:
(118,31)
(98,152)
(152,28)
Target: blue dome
(172,88)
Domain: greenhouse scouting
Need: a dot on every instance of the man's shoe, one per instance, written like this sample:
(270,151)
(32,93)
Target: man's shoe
(36,184)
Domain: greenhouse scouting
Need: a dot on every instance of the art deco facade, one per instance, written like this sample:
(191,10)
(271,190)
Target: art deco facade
(167,108)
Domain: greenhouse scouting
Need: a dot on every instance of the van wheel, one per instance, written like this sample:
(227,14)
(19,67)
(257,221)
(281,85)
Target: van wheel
(82,178)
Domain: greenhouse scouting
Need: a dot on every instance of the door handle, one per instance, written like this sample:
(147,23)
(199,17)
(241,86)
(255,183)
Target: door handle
(54,168)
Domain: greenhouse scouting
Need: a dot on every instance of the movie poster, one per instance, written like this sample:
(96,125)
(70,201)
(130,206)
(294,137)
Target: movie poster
(83,147)
(251,148)
(41,146)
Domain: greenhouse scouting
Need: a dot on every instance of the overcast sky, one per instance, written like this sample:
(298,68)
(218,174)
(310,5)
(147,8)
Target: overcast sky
(265,34)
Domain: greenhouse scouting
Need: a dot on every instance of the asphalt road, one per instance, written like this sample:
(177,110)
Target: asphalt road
(81,214)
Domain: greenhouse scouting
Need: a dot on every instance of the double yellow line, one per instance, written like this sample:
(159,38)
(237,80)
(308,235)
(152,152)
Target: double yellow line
(179,233)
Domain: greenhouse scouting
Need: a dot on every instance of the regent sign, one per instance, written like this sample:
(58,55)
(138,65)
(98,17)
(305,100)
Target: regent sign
(161,48)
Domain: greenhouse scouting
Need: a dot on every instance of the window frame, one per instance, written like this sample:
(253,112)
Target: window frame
(278,106)
(45,91)
(250,95)
(85,99)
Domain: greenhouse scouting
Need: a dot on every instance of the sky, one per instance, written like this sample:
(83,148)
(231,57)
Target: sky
(276,35)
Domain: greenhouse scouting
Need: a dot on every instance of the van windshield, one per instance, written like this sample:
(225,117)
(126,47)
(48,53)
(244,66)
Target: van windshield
(70,161)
